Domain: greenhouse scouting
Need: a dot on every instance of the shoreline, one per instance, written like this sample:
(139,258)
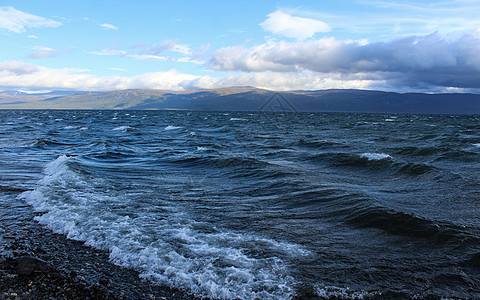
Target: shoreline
(45,265)
(68,269)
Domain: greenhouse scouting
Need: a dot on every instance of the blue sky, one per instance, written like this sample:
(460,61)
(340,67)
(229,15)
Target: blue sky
(404,46)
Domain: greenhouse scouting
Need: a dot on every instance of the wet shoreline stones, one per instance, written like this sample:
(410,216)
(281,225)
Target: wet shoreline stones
(40,264)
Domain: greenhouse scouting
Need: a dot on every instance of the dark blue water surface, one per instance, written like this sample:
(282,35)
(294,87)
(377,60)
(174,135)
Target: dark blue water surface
(257,205)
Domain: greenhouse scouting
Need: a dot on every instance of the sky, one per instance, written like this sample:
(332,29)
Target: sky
(102,45)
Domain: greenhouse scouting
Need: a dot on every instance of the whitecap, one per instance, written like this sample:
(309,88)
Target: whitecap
(237,119)
(390,120)
(69,127)
(170,127)
(476,145)
(202,148)
(122,128)
(375,156)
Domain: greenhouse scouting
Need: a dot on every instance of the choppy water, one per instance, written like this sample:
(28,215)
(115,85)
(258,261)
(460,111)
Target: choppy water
(251,205)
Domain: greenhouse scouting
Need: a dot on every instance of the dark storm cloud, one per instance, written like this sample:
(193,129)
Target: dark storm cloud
(406,62)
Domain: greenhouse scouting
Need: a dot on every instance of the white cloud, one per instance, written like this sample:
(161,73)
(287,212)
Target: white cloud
(166,45)
(146,52)
(118,69)
(32,36)
(290,26)
(107,52)
(109,26)
(18,75)
(42,48)
(409,62)
(21,75)
(18,21)
(42,52)
(17,68)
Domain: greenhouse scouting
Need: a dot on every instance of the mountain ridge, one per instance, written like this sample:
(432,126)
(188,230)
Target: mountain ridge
(249,99)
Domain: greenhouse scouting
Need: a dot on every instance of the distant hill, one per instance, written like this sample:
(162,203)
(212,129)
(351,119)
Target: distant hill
(250,99)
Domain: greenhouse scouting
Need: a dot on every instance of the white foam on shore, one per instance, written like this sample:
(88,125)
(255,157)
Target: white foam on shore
(375,156)
(328,292)
(160,240)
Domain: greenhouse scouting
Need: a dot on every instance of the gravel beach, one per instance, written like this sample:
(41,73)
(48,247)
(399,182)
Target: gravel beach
(44,265)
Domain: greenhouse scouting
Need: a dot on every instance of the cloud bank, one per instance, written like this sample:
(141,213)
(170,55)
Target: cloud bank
(26,76)
(414,62)
(18,21)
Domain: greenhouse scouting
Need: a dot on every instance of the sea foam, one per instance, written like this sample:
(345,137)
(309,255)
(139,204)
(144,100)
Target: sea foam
(375,156)
(165,244)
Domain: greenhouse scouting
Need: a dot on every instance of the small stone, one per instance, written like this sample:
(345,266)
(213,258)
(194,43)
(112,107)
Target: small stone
(26,265)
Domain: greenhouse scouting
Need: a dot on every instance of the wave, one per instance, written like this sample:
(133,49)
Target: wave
(170,127)
(47,144)
(318,144)
(159,238)
(459,155)
(334,292)
(122,128)
(420,151)
(371,160)
(217,161)
(357,210)
(400,223)
(375,156)
(413,168)
(352,159)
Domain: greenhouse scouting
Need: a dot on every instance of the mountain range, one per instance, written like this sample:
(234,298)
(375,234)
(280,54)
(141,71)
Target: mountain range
(248,99)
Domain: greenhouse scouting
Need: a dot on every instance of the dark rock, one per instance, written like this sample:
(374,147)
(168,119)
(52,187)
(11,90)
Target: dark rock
(26,265)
